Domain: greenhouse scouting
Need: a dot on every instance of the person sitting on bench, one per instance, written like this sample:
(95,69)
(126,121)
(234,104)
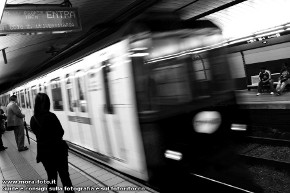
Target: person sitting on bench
(265,79)
(283,79)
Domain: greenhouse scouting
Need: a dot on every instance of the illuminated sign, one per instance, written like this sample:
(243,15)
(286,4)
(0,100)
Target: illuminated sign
(33,20)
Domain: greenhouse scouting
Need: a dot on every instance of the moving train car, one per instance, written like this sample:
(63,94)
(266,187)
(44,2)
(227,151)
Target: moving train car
(147,99)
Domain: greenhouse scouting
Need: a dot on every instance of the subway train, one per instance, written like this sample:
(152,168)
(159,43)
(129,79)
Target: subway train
(155,98)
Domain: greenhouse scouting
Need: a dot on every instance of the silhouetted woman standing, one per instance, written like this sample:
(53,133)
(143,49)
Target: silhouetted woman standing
(52,150)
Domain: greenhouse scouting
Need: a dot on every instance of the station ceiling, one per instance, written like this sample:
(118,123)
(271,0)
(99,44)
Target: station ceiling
(28,55)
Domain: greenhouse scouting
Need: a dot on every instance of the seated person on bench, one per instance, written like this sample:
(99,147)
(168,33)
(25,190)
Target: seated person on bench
(265,79)
(283,79)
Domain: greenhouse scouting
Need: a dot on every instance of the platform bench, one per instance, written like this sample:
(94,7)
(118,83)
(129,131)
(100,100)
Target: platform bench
(255,81)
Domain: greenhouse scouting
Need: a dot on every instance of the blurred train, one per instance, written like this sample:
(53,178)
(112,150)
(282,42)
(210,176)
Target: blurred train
(151,97)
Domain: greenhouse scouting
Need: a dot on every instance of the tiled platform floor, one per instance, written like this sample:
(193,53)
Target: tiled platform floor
(16,165)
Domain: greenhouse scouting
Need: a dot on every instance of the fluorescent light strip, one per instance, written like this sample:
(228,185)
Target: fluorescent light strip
(139,55)
(139,49)
(268,30)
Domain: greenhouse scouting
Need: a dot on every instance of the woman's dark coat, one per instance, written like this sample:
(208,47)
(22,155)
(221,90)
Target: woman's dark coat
(49,133)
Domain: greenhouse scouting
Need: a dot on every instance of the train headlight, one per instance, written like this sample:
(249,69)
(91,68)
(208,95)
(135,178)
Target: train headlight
(207,121)
(173,155)
(239,127)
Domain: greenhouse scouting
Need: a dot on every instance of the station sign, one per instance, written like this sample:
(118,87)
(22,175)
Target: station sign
(37,20)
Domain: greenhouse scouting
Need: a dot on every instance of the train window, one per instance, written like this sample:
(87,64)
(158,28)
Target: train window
(44,88)
(201,75)
(33,93)
(106,70)
(18,98)
(22,99)
(200,68)
(8,97)
(56,94)
(170,81)
(68,86)
(93,83)
(80,81)
(27,95)
(6,100)
(162,83)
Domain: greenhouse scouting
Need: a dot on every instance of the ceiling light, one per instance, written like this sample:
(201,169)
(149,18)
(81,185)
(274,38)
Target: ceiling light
(269,30)
(139,55)
(270,33)
(2,6)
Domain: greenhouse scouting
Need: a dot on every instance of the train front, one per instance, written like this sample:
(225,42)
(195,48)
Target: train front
(186,104)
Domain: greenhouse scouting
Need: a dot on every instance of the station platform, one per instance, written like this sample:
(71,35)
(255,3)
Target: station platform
(20,172)
(249,100)
(266,111)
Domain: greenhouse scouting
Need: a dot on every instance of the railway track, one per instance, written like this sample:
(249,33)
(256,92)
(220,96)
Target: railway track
(272,132)
(268,151)
(269,140)
(268,161)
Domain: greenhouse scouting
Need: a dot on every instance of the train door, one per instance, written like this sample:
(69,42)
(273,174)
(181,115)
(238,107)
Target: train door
(111,117)
(22,103)
(40,88)
(7,100)
(58,104)
(22,97)
(100,133)
(33,95)
(45,88)
(78,110)
(18,98)
(72,107)
(83,118)
(29,110)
